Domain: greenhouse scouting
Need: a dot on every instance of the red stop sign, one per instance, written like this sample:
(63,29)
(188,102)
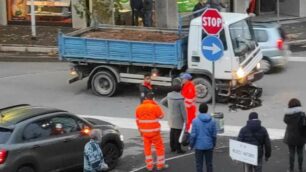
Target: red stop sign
(212,22)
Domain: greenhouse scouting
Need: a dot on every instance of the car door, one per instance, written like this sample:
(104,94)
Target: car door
(45,149)
(74,141)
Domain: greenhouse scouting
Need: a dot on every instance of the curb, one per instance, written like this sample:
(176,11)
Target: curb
(297,42)
(9,57)
(28,48)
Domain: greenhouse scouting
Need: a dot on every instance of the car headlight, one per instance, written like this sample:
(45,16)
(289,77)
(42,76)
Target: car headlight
(258,66)
(240,73)
(121,137)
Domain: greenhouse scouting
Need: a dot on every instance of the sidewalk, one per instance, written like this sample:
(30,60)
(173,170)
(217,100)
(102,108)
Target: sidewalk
(279,161)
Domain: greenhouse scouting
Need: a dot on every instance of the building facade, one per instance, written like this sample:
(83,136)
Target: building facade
(62,12)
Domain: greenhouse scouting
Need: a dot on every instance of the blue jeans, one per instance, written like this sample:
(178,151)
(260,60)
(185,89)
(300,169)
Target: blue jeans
(147,22)
(199,155)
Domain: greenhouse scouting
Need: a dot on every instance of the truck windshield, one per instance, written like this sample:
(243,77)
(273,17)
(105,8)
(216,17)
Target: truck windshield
(242,37)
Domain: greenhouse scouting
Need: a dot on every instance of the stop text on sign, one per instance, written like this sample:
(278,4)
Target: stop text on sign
(212,22)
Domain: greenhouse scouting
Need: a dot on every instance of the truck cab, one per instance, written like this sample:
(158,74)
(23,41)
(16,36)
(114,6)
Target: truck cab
(238,65)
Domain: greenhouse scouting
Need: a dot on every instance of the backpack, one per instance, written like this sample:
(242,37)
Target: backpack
(302,125)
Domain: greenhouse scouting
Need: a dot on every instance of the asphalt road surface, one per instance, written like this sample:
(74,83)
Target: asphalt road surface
(46,84)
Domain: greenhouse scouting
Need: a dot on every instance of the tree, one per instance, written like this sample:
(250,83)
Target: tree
(102,10)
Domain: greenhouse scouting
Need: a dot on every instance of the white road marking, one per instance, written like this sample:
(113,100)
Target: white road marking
(175,157)
(297,59)
(229,130)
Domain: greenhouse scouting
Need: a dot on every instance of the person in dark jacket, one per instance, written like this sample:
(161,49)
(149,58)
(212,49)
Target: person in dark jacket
(200,5)
(137,11)
(255,134)
(145,87)
(176,117)
(293,136)
(203,138)
(147,9)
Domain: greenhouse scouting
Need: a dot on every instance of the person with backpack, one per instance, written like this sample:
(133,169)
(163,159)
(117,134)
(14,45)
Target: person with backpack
(295,133)
(255,134)
(93,156)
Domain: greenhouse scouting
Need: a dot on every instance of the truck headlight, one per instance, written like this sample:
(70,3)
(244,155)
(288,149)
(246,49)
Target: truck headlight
(121,138)
(73,72)
(258,66)
(240,73)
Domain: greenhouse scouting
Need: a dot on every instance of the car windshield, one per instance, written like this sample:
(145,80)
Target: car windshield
(4,135)
(242,37)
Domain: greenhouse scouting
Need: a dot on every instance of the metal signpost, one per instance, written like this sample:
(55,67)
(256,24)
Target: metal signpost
(212,46)
(33,21)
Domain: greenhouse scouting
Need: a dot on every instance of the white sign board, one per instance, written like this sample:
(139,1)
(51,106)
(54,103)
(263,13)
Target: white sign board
(243,152)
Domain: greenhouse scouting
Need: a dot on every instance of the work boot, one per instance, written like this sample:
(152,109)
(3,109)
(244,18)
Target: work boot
(173,150)
(163,168)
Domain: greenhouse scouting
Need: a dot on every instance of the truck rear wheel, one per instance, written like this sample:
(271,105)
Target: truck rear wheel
(103,83)
(203,89)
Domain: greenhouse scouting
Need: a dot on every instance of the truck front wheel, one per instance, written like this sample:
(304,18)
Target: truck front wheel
(103,83)
(203,89)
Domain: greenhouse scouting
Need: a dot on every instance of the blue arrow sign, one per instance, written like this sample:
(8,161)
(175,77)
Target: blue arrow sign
(212,48)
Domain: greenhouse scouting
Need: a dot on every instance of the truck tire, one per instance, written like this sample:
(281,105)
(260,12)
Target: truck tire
(203,89)
(25,169)
(265,65)
(103,83)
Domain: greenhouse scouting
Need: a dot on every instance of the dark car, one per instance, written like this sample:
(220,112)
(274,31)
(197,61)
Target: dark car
(40,139)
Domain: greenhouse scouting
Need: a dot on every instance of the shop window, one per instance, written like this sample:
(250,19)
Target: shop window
(45,10)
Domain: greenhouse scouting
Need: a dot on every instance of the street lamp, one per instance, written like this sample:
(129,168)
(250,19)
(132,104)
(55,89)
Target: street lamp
(33,21)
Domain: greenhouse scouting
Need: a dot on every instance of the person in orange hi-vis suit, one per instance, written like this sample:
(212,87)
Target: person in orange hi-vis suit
(189,93)
(148,115)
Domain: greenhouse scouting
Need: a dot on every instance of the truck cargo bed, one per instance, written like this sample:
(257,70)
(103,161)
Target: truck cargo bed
(169,50)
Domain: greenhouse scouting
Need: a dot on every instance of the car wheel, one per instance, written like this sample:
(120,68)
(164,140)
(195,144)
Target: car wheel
(265,66)
(111,154)
(25,169)
(203,89)
(104,83)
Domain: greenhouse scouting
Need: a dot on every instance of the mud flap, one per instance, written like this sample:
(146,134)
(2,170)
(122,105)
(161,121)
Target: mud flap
(245,97)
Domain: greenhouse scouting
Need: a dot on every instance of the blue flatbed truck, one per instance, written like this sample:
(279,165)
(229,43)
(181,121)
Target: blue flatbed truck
(109,62)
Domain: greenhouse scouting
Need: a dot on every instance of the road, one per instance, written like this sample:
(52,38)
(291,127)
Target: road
(46,84)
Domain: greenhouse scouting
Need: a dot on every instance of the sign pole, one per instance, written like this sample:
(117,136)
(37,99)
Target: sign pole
(33,21)
(213,87)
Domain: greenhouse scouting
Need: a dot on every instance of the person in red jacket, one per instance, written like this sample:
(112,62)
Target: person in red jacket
(189,93)
(145,87)
(148,115)
(251,9)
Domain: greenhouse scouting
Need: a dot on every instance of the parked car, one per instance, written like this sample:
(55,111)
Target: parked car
(40,139)
(272,41)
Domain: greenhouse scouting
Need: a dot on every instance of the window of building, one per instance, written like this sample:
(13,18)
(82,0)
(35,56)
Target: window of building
(54,11)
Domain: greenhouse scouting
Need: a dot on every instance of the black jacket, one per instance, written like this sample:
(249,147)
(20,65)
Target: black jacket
(292,119)
(143,92)
(255,134)
(136,5)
